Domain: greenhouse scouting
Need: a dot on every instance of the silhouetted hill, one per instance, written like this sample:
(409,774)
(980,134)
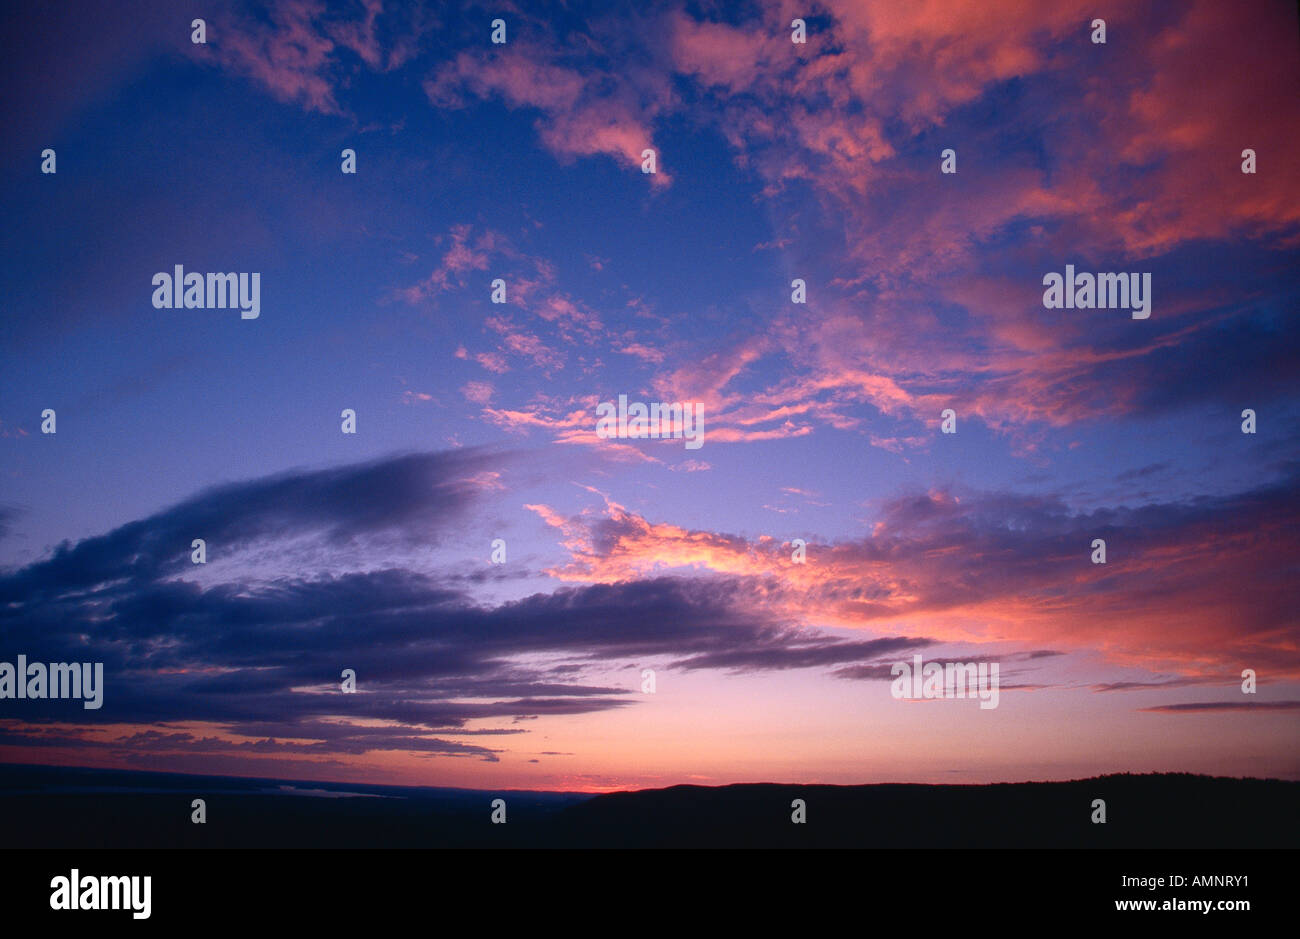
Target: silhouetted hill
(65,808)
(1149,811)
(58,807)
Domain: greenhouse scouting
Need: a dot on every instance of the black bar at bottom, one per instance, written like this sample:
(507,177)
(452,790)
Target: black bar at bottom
(652,889)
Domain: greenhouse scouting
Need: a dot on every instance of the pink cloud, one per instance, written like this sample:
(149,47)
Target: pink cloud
(479,392)
(492,361)
(584,112)
(289,58)
(642,351)
(296,56)
(949,568)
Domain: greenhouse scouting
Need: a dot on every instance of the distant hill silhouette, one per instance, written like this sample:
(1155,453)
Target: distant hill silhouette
(1147,811)
(63,808)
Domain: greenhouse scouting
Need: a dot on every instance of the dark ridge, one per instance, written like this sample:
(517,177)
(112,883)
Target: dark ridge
(1142,811)
(65,808)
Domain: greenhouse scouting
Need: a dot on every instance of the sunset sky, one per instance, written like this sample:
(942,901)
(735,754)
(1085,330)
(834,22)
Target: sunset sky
(477,421)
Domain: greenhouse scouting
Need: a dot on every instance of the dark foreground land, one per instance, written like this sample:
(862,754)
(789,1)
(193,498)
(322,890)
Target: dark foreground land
(45,807)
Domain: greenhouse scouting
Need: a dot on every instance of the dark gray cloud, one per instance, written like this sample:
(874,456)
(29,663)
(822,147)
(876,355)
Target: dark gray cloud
(1200,706)
(1180,682)
(413,493)
(798,649)
(882,671)
(263,658)
(7,515)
